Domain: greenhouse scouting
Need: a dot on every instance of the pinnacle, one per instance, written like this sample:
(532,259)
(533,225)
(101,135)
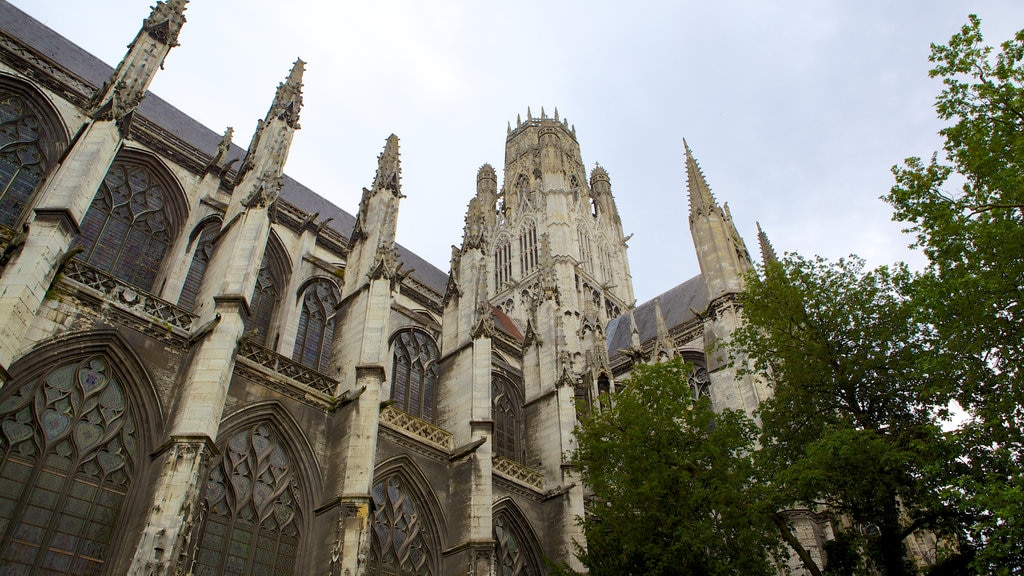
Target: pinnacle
(767,250)
(700,194)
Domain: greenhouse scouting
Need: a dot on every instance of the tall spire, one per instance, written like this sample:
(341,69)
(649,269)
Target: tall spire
(123,92)
(767,250)
(288,100)
(389,170)
(701,199)
(272,139)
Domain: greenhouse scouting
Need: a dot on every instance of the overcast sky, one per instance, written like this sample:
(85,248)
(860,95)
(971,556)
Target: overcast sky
(795,109)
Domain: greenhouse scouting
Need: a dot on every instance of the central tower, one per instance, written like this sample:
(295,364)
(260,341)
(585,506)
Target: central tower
(541,271)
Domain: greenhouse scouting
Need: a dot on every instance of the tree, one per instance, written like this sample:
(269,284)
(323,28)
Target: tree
(673,483)
(846,428)
(966,207)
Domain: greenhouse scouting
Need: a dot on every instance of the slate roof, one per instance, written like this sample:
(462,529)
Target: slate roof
(94,71)
(677,306)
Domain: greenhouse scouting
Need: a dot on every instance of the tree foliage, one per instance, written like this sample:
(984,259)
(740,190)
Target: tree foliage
(673,483)
(846,429)
(966,208)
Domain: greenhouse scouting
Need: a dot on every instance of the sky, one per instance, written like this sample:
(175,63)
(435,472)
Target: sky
(795,109)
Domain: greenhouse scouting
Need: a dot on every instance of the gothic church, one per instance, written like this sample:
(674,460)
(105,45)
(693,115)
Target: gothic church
(209,369)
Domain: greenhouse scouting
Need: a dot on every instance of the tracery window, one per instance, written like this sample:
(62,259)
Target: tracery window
(505,404)
(253,522)
(264,300)
(200,260)
(528,250)
(316,325)
(400,542)
(129,226)
(69,452)
(414,373)
(509,557)
(502,263)
(24,158)
(700,383)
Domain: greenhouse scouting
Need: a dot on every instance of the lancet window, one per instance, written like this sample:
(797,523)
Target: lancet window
(265,295)
(510,559)
(69,453)
(316,325)
(27,149)
(586,251)
(129,225)
(528,256)
(502,263)
(400,543)
(253,522)
(506,403)
(200,260)
(414,374)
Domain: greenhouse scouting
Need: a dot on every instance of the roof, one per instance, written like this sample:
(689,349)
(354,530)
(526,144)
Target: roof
(95,72)
(678,307)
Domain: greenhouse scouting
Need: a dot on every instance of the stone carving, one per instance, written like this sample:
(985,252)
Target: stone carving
(421,429)
(128,297)
(286,367)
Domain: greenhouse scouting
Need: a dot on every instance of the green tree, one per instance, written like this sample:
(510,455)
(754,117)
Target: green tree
(673,483)
(966,208)
(845,429)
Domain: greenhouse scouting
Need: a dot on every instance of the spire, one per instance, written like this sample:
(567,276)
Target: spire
(389,168)
(767,250)
(664,344)
(700,195)
(288,100)
(123,92)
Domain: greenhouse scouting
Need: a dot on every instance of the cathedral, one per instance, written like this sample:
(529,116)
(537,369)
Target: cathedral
(209,369)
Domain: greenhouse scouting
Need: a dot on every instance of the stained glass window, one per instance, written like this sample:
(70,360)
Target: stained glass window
(505,404)
(264,299)
(316,325)
(128,227)
(399,543)
(414,374)
(509,557)
(23,161)
(200,259)
(68,455)
(253,518)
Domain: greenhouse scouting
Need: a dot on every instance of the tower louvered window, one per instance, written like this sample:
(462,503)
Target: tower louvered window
(23,158)
(262,303)
(200,260)
(505,404)
(68,458)
(128,227)
(316,325)
(528,250)
(253,521)
(585,250)
(509,557)
(502,264)
(414,374)
(399,543)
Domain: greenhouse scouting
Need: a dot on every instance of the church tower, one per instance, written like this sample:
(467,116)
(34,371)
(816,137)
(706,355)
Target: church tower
(544,259)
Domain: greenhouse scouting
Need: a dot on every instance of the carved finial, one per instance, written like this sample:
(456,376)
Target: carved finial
(220,157)
(767,250)
(701,198)
(508,128)
(519,121)
(556,113)
(288,100)
(389,168)
(529,115)
(542,114)
(665,348)
(165,21)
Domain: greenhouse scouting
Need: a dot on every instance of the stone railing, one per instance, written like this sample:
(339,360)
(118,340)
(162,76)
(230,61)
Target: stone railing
(394,418)
(124,295)
(515,471)
(288,368)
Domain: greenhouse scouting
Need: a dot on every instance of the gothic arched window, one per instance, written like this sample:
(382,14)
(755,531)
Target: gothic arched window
(129,225)
(316,325)
(200,259)
(510,558)
(400,542)
(253,521)
(528,256)
(414,373)
(266,293)
(505,404)
(69,452)
(27,149)
(502,263)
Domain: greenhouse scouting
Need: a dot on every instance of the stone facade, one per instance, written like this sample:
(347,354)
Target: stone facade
(210,369)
